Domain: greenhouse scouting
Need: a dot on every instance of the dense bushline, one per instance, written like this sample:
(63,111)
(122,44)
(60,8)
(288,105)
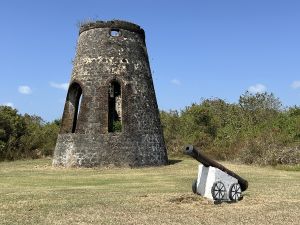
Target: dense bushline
(255,130)
(25,136)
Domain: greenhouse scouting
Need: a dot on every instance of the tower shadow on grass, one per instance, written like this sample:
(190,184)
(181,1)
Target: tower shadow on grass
(174,161)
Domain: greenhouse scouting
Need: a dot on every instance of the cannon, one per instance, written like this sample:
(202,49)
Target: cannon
(215,181)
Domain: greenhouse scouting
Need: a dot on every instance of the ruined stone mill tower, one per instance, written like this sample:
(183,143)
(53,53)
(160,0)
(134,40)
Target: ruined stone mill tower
(111,114)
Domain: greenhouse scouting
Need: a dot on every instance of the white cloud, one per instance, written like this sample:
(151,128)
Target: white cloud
(295,84)
(257,88)
(26,90)
(63,86)
(176,82)
(10,104)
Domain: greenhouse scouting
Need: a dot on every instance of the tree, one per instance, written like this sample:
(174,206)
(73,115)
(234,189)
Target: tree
(171,127)
(25,136)
(12,127)
(259,107)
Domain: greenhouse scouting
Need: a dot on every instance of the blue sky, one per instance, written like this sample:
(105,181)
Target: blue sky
(197,49)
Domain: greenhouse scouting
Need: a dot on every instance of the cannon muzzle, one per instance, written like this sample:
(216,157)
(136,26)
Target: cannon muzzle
(200,157)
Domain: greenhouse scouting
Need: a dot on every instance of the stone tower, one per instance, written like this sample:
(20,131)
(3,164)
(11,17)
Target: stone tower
(111,114)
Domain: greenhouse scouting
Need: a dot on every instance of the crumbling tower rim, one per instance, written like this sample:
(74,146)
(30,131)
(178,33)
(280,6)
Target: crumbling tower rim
(112,24)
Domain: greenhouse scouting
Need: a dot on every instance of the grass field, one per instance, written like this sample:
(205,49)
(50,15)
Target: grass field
(32,192)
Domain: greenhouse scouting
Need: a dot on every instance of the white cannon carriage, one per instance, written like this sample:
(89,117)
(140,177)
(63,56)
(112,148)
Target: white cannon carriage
(216,185)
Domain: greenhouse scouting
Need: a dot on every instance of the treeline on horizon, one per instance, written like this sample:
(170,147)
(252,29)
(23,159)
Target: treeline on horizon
(256,130)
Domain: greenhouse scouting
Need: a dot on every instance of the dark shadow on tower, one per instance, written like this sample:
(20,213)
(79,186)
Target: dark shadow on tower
(72,106)
(114,107)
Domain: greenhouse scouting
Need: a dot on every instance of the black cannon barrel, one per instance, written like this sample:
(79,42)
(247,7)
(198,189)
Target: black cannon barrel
(200,157)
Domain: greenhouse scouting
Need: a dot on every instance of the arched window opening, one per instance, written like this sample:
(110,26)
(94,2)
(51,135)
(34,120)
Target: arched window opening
(74,101)
(114,107)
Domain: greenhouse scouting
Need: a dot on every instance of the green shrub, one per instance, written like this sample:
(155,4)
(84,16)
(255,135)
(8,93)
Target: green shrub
(25,136)
(256,130)
(117,126)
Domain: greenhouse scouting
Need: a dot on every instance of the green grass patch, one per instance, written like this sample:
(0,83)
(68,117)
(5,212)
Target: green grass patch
(288,167)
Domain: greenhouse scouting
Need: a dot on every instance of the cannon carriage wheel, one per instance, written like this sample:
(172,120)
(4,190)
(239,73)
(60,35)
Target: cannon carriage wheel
(235,192)
(218,191)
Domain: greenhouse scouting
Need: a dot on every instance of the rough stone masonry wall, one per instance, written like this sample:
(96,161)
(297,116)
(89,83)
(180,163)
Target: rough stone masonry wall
(101,59)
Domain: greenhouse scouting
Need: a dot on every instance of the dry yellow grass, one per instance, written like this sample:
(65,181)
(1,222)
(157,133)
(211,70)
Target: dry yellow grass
(32,192)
